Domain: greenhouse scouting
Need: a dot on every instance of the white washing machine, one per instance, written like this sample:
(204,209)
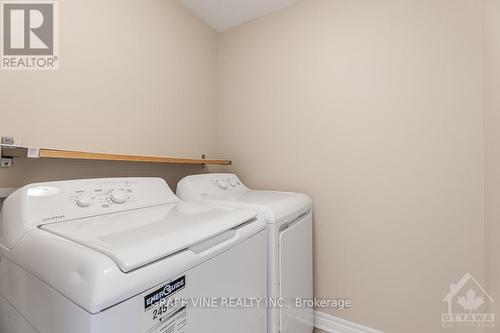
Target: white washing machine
(126,255)
(289,231)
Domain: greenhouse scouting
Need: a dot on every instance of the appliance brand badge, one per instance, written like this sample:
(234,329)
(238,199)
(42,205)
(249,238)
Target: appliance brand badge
(164,292)
(53,218)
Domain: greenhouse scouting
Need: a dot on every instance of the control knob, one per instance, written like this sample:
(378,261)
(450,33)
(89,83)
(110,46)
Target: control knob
(118,197)
(83,201)
(222,184)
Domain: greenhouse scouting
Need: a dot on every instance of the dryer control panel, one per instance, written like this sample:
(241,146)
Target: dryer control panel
(198,187)
(44,203)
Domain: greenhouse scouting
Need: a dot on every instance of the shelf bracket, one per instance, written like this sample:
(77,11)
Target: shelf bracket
(6,162)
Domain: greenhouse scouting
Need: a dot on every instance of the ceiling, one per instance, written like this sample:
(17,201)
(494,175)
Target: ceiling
(226,14)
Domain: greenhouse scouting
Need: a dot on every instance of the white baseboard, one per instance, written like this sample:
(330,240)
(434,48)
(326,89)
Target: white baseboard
(332,324)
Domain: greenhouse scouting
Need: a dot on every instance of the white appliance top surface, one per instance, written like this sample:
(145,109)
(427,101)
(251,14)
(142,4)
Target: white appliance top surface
(88,238)
(273,206)
(136,238)
(228,190)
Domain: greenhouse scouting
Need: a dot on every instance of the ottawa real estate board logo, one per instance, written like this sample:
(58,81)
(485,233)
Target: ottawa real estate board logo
(468,304)
(30,35)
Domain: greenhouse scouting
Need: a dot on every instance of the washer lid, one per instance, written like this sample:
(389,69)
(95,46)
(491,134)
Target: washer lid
(139,237)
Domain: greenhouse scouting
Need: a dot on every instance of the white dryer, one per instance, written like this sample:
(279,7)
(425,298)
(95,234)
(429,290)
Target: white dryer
(289,231)
(126,255)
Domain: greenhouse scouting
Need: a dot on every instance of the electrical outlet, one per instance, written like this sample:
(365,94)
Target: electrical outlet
(5,162)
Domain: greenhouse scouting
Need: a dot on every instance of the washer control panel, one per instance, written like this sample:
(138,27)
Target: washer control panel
(105,194)
(59,201)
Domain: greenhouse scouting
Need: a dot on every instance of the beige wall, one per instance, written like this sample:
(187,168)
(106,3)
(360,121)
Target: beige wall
(374,108)
(492,121)
(135,77)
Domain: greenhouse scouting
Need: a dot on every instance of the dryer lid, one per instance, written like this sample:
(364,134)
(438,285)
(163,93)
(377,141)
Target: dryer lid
(139,237)
(273,206)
